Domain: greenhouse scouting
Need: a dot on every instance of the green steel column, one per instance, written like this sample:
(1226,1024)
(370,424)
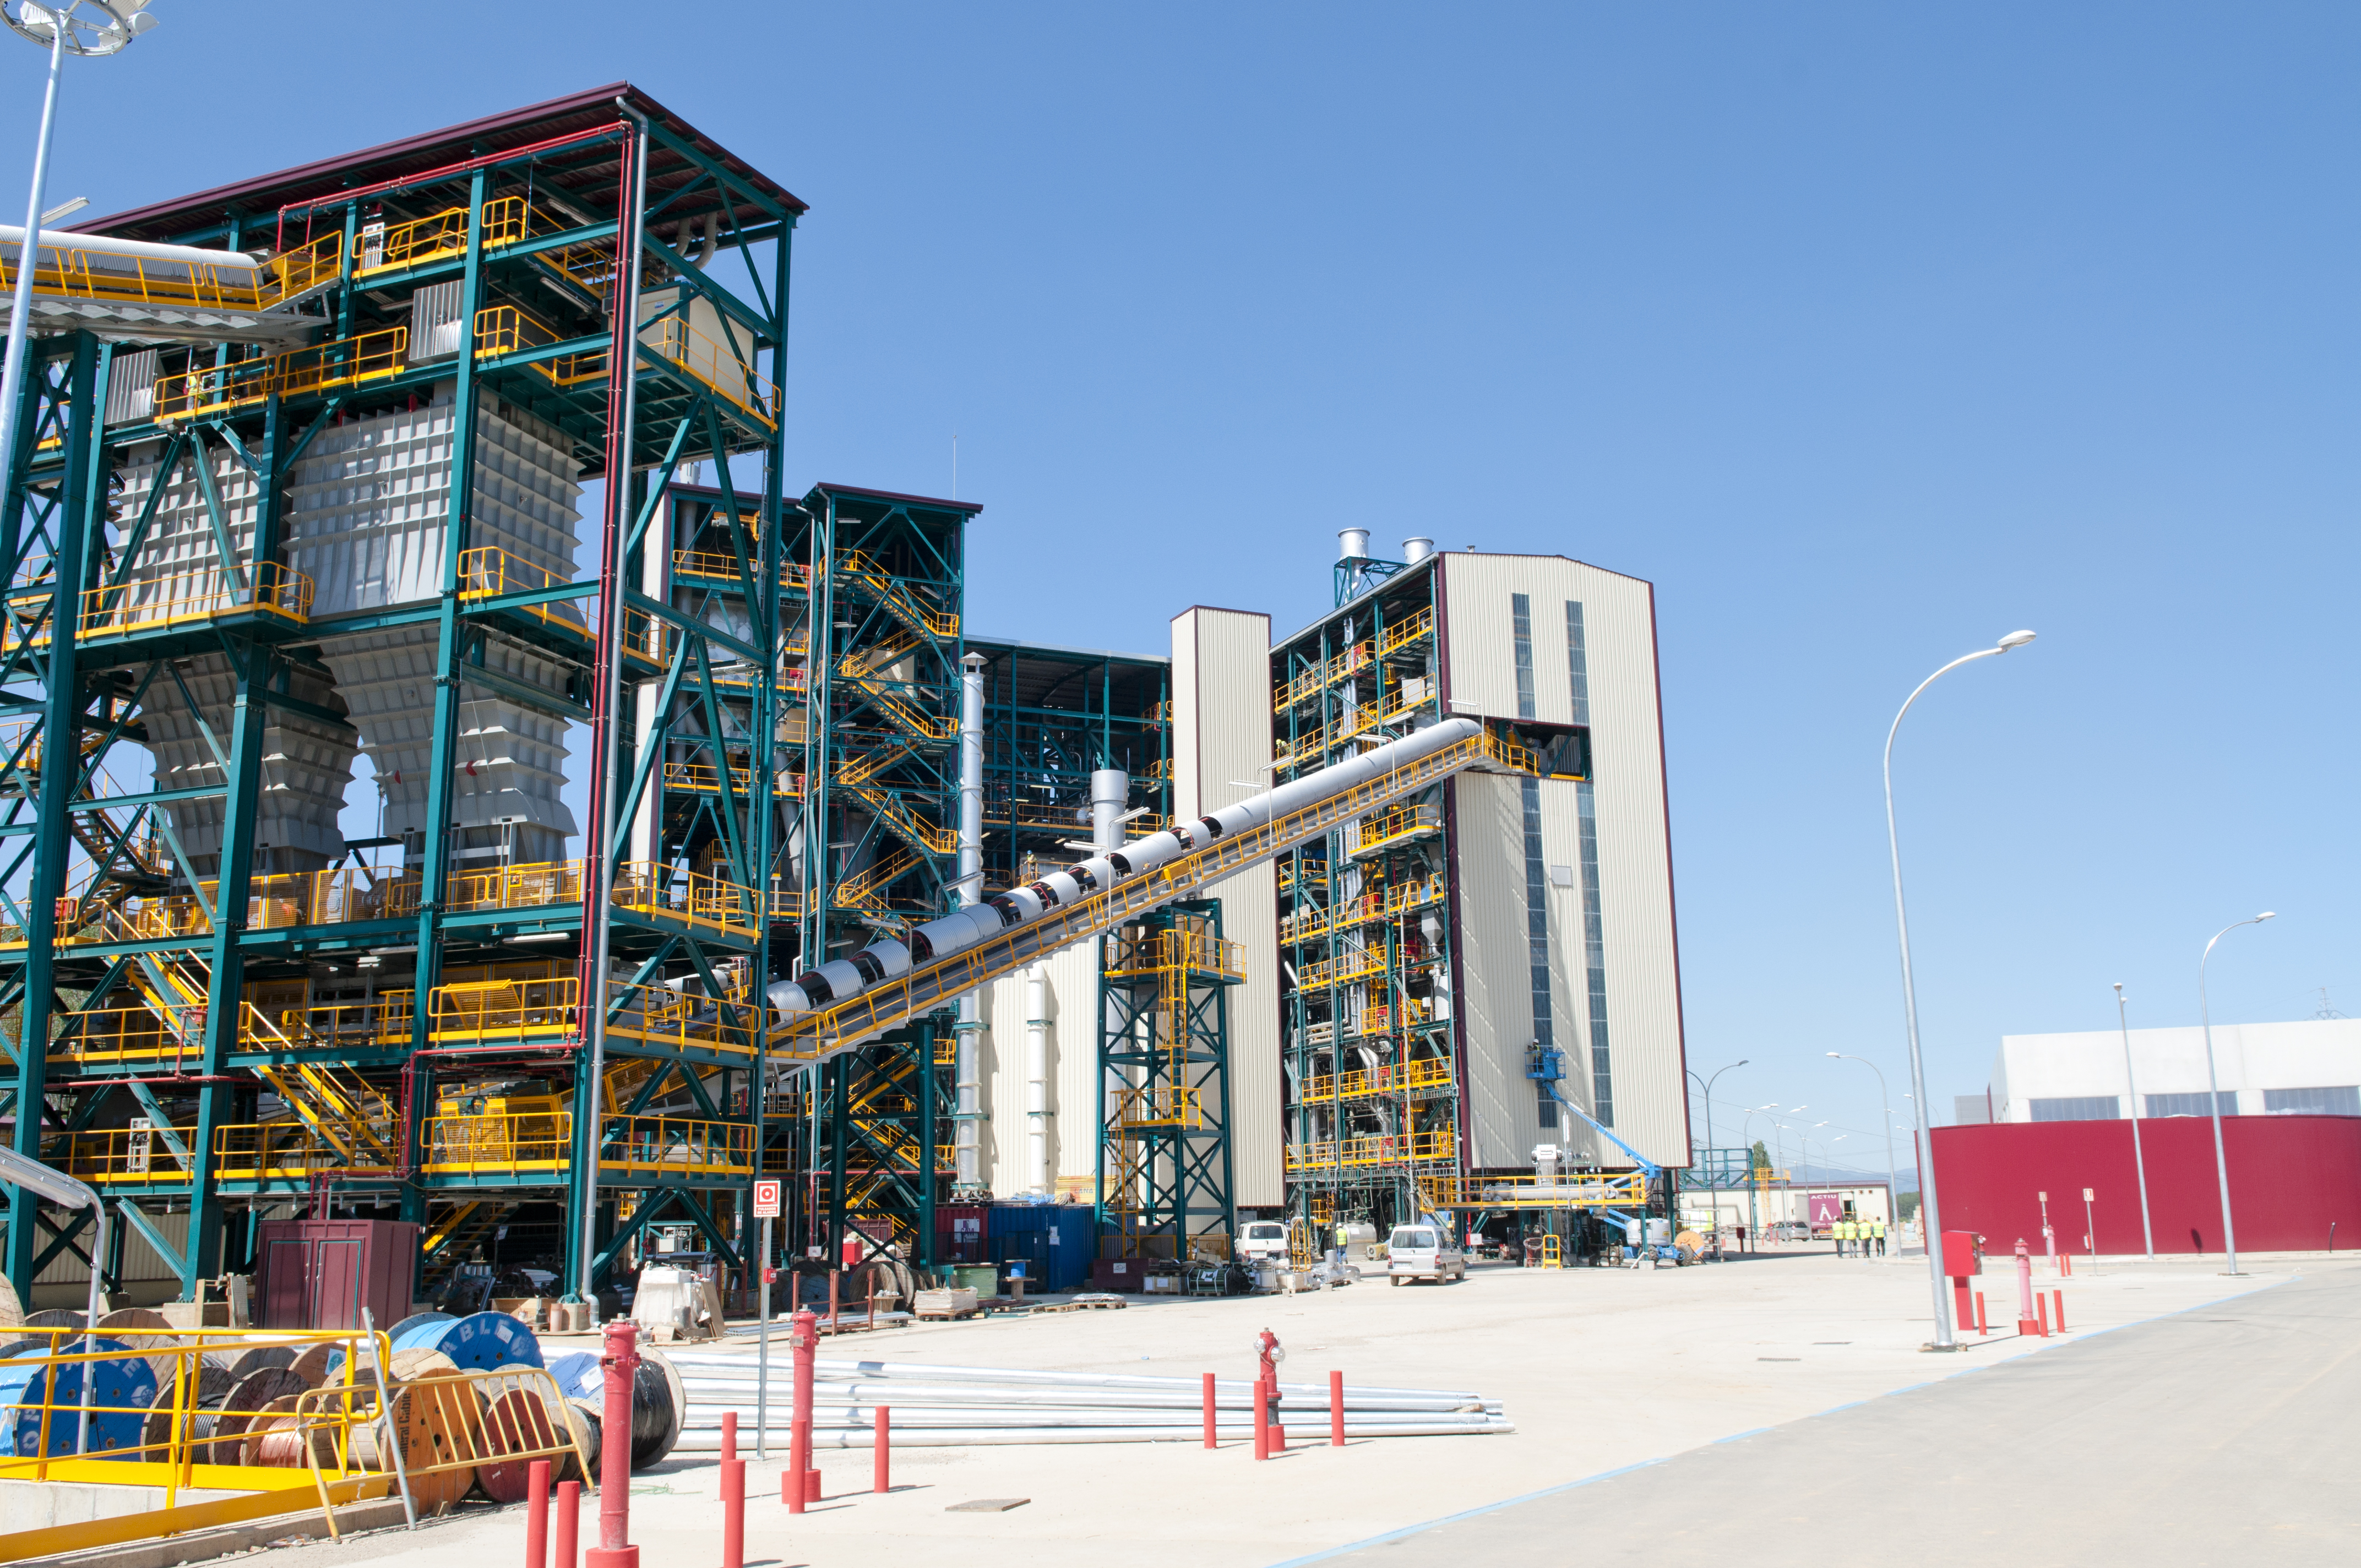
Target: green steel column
(81,510)
(926,1092)
(435,869)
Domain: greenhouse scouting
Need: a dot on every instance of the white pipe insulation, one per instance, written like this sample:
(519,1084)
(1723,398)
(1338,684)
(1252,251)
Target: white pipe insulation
(967,1112)
(843,979)
(1037,1077)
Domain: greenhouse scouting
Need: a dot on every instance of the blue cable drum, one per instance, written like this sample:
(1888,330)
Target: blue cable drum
(481,1342)
(580,1373)
(129,1382)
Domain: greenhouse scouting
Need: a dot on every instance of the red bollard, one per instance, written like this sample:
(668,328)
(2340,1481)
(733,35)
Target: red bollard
(621,1361)
(1261,1430)
(1209,1411)
(729,1436)
(536,1515)
(569,1522)
(882,1453)
(2026,1326)
(1982,1327)
(733,1513)
(2066,1264)
(2059,1296)
(1335,1409)
(2042,1304)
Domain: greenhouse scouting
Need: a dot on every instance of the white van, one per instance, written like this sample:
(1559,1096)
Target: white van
(1423,1251)
(1264,1241)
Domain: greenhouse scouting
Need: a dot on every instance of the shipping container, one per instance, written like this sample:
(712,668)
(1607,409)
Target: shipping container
(1054,1240)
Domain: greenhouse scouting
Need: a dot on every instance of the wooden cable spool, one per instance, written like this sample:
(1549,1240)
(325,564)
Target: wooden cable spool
(314,1366)
(245,1363)
(273,1437)
(144,1328)
(406,1366)
(247,1394)
(518,1421)
(208,1387)
(439,1420)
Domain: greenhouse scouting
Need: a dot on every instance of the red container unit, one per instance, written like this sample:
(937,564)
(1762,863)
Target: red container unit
(959,1232)
(319,1274)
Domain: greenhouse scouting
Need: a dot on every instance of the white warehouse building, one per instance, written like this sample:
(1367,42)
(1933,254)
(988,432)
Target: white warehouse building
(2308,1067)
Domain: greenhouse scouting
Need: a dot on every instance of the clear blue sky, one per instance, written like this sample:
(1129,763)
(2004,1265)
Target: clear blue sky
(1866,332)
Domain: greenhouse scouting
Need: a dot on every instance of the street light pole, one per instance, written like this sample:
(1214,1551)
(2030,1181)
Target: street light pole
(1893,1191)
(2131,1096)
(1704,1087)
(2213,1088)
(60,27)
(1932,1222)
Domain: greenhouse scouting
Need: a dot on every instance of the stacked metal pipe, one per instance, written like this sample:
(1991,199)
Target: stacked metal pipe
(963,1407)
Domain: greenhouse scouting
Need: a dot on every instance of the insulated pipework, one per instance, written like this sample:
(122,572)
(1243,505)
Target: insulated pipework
(967,1162)
(843,979)
(1037,1077)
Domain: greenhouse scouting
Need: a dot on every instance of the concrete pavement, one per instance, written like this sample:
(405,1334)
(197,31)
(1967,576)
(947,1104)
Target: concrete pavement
(1600,1369)
(2222,1434)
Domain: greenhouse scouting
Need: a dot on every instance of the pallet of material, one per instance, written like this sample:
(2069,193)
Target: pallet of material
(1100,1300)
(944,1304)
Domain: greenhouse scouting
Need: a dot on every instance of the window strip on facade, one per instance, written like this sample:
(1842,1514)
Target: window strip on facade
(1594,932)
(1537,937)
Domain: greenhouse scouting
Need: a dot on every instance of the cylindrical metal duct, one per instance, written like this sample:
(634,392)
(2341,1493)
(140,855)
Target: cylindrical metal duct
(1351,543)
(1418,549)
(967,1160)
(1110,790)
(1036,1077)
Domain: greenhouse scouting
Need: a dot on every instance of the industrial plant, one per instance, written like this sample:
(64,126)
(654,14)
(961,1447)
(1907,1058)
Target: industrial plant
(442,485)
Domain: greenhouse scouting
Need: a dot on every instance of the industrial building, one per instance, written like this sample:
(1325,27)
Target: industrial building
(2308,1067)
(443,474)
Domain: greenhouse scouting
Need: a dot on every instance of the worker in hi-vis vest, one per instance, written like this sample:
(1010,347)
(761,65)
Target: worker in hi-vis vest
(1844,1237)
(1877,1234)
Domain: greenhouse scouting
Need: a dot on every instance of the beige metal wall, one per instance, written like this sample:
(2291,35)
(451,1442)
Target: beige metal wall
(1073,1042)
(1634,854)
(1222,749)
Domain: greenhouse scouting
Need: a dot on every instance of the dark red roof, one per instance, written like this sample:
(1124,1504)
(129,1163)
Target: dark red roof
(262,197)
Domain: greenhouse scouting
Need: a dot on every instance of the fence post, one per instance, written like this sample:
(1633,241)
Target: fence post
(622,1362)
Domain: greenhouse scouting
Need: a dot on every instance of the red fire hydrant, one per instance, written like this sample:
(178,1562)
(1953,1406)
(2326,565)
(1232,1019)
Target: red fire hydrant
(2027,1323)
(621,1364)
(1268,1356)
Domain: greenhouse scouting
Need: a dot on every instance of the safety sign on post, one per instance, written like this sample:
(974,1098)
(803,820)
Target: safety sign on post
(766,1199)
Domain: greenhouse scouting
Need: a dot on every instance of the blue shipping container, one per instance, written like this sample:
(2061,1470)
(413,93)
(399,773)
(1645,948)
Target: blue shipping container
(1057,1241)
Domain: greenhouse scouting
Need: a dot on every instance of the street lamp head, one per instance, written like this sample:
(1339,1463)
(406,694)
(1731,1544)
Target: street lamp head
(2014,639)
(2267,915)
(1836,1054)
(89,26)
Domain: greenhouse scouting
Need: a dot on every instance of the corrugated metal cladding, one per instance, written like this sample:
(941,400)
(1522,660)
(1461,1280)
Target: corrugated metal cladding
(1642,978)
(307,765)
(1073,1042)
(139,1260)
(1222,735)
(368,509)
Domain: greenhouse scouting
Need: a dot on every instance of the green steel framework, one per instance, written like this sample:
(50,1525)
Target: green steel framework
(664,191)
(1165,1164)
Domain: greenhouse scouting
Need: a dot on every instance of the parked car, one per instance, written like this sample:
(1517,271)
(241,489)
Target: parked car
(1423,1251)
(1265,1241)
(1791,1231)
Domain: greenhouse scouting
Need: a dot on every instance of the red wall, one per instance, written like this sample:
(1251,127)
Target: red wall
(2290,1178)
